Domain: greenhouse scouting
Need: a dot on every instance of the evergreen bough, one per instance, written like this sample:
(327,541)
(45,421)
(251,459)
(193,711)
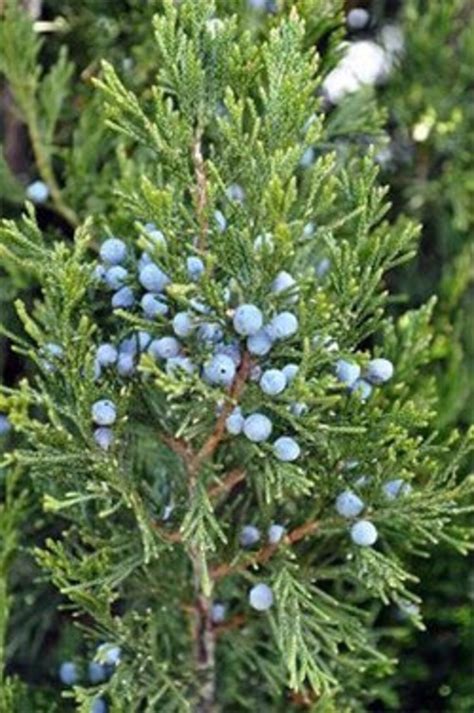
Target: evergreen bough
(150,526)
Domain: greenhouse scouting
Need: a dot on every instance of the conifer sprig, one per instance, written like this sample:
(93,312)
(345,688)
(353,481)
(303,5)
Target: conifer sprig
(162,440)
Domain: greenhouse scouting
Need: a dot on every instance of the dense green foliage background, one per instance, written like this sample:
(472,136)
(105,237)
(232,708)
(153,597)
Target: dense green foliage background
(424,114)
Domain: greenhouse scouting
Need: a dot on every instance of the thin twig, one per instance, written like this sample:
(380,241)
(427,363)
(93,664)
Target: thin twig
(235,622)
(226,484)
(265,553)
(303,699)
(46,172)
(168,535)
(181,448)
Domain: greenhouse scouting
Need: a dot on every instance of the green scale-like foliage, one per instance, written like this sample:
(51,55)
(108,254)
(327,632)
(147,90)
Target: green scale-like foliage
(229,107)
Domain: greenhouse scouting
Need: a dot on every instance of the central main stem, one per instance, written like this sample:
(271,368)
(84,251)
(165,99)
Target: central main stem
(204,642)
(204,632)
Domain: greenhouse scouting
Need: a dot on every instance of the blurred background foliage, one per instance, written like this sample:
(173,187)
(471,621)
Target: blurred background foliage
(422,116)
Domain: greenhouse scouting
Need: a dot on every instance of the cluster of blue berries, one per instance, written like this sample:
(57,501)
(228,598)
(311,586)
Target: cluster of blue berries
(258,428)
(104,415)
(223,357)
(248,322)
(349,505)
(97,672)
(378,372)
(116,277)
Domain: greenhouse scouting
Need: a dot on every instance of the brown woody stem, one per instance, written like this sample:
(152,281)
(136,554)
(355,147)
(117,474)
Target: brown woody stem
(265,553)
(204,631)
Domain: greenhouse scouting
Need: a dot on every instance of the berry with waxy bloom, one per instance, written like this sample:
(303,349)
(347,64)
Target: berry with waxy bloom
(394,488)
(364,533)
(248,320)
(115,277)
(309,229)
(5,425)
(298,408)
(128,346)
(104,412)
(68,673)
(164,348)
(290,371)
(249,536)
(98,273)
(183,324)
(152,306)
(106,354)
(236,193)
(220,370)
(348,504)
(104,437)
(97,672)
(259,343)
(286,449)
(109,654)
(123,298)
(221,221)
(38,192)
(323,267)
(126,364)
(257,428)
(357,18)
(143,340)
(283,282)
(283,326)
(379,371)
(261,597)
(362,389)
(210,332)
(99,706)
(308,157)
(275,534)
(347,372)
(54,350)
(273,382)
(218,613)
(152,278)
(155,236)
(195,267)
(113,251)
(235,422)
